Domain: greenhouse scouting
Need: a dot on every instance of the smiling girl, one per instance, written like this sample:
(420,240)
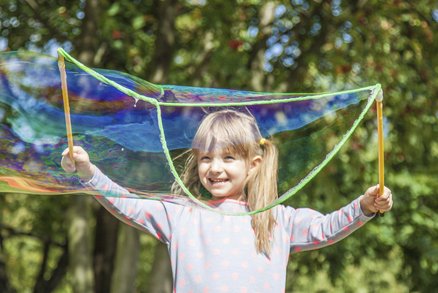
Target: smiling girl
(213,252)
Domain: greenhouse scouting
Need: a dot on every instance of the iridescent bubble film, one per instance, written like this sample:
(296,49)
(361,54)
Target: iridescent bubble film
(141,140)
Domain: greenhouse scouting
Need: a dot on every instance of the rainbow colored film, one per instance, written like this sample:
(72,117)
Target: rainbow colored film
(137,132)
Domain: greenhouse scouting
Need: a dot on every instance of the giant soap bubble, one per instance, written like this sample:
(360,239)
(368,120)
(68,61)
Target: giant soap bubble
(139,133)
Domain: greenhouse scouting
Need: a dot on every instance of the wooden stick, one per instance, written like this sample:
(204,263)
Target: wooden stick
(61,65)
(379,105)
(381,147)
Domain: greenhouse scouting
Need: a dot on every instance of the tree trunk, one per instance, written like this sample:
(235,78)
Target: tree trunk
(80,242)
(165,40)
(4,281)
(81,268)
(105,246)
(257,59)
(126,264)
(161,277)
(88,42)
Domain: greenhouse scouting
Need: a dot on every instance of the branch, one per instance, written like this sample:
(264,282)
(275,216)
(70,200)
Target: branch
(45,286)
(88,42)
(201,62)
(295,77)
(59,273)
(39,283)
(165,40)
(16,232)
(265,29)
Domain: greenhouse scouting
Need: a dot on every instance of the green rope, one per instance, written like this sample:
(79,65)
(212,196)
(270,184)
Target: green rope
(105,80)
(330,155)
(153,101)
(375,89)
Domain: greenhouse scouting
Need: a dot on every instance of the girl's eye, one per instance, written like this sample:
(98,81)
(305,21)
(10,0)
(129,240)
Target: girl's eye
(205,158)
(229,157)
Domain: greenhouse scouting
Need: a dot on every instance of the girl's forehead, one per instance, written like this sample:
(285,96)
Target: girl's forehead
(220,150)
(217,146)
(217,151)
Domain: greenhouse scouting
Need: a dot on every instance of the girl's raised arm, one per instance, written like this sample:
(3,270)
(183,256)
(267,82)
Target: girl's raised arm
(146,215)
(310,229)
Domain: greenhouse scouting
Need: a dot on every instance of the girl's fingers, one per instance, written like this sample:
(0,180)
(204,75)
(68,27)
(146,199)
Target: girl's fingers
(376,190)
(382,205)
(386,196)
(384,202)
(65,152)
(76,150)
(67,164)
(373,191)
(383,208)
(382,199)
(78,153)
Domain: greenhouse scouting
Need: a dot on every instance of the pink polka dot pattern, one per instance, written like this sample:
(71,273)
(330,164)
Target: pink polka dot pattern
(211,252)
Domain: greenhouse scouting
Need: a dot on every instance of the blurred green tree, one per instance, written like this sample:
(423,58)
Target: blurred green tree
(293,46)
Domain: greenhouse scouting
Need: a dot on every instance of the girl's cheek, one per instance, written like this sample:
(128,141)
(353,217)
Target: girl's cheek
(202,170)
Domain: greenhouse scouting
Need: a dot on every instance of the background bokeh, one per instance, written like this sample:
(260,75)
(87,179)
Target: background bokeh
(71,244)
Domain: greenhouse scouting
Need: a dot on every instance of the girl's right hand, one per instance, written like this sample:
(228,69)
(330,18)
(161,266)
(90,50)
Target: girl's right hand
(81,163)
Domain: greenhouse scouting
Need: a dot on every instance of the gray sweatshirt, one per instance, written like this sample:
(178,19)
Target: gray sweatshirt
(212,252)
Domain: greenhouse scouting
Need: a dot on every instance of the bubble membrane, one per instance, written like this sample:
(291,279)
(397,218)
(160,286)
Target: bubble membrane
(140,134)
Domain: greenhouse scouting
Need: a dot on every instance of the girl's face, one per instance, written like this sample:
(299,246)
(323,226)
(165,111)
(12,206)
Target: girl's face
(223,174)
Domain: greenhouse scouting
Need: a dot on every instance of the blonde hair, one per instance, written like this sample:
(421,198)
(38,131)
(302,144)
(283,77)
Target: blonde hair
(238,133)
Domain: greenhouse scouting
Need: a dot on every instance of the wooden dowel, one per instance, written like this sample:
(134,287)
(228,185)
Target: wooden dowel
(381,147)
(380,138)
(61,65)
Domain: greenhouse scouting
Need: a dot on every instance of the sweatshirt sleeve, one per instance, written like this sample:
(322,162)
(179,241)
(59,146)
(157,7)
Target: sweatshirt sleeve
(309,229)
(153,216)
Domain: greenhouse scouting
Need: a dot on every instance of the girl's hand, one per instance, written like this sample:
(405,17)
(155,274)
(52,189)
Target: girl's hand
(81,163)
(372,203)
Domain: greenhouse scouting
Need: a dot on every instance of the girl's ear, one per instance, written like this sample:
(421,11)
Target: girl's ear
(255,163)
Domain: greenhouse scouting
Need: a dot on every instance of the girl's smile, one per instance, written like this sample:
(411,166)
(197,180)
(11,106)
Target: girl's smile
(217,181)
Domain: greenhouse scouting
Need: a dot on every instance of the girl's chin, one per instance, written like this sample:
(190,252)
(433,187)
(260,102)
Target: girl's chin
(219,196)
(222,197)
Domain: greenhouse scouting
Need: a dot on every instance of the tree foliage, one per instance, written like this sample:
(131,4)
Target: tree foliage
(293,46)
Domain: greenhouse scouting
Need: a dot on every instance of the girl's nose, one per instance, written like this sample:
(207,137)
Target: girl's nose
(216,166)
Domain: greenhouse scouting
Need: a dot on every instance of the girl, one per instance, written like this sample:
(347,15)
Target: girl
(212,252)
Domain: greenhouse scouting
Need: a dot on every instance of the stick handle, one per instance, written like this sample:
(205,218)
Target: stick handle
(61,65)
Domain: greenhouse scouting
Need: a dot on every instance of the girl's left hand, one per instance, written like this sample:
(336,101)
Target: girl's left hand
(372,203)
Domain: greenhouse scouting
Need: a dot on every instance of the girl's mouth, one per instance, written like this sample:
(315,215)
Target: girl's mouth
(217,180)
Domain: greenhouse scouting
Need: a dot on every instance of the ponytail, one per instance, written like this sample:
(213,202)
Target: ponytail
(262,191)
